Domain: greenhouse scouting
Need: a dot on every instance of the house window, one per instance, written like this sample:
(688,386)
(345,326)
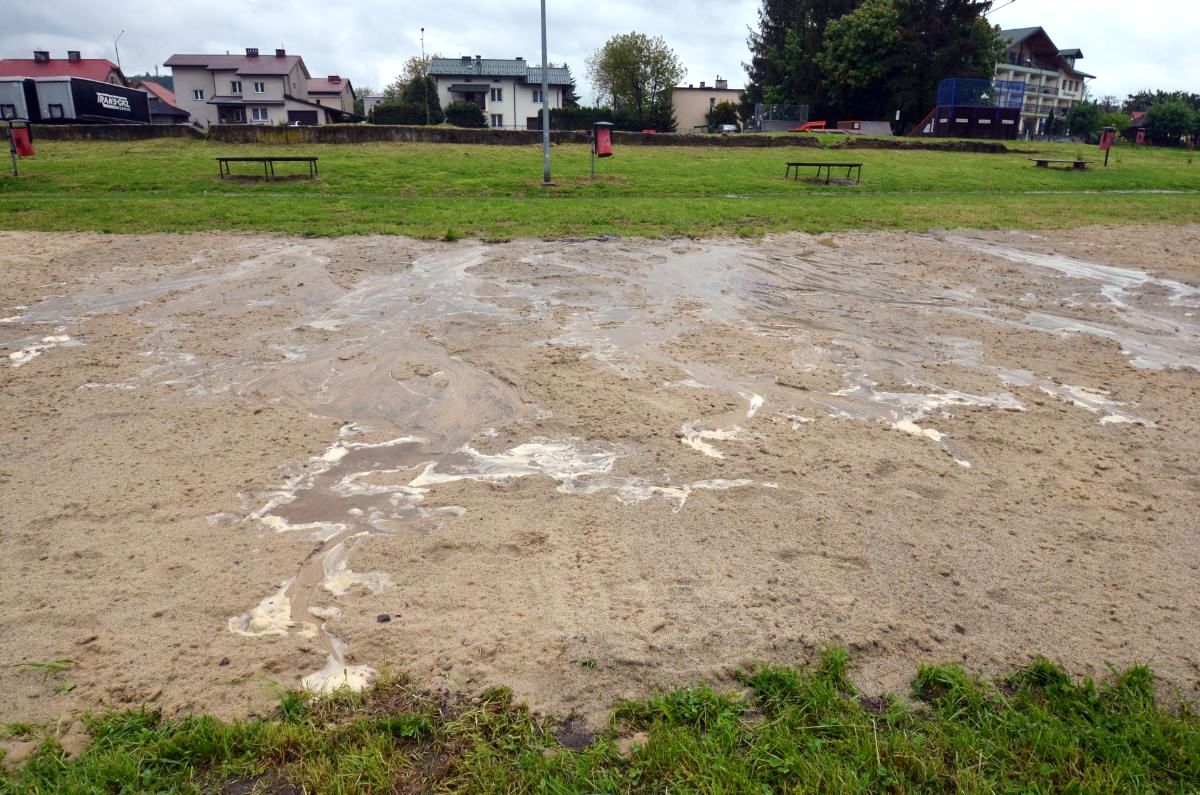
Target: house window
(8,111)
(497,120)
(497,95)
(260,88)
(239,115)
(259,114)
(56,111)
(537,96)
(198,94)
(235,86)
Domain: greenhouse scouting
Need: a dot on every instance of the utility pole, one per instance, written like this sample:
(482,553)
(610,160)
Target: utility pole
(425,77)
(545,103)
(118,49)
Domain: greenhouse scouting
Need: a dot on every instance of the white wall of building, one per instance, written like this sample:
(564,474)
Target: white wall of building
(511,108)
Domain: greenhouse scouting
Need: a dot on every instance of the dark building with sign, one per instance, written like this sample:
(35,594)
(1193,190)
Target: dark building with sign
(72,100)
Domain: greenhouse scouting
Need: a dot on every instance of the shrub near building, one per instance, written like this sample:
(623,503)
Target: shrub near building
(465,114)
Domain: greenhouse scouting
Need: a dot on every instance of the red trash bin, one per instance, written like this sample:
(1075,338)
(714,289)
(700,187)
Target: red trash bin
(603,140)
(22,142)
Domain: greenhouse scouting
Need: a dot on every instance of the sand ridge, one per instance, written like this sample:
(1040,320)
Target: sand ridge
(664,459)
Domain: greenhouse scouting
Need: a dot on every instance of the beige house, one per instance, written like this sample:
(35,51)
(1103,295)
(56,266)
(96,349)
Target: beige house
(256,89)
(333,91)
(692,104)
(1052,83)
(508,91)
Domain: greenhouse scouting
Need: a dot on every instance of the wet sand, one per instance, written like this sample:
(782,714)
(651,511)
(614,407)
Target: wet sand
(234,461)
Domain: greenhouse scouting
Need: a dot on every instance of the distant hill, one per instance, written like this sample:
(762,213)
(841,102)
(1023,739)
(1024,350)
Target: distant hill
(162,80)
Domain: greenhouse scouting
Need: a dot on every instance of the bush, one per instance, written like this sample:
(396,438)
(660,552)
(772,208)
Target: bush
(465,114)
(398,113)
(723,113)
(1115,119)
(1167,122)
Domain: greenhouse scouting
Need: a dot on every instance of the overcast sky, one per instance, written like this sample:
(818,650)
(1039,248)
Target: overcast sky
(1149,44)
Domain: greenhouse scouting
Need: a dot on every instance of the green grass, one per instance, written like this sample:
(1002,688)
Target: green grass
(787,731)
(494,192)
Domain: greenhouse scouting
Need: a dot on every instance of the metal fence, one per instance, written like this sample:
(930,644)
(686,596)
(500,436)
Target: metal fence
(966,92)
(779,117)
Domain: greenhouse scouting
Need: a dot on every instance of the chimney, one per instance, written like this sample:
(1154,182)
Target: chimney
(702,84)
(466,59)
(41,56)
(335,78)
(722,84)
(519,58)
(251,52)
(73,56)
(280,53)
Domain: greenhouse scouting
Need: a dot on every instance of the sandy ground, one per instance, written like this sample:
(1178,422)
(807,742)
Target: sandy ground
(590,469)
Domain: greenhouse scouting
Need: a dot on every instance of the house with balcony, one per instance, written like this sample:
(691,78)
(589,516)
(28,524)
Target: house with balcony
(1053,83)
(508,91)
(257,89)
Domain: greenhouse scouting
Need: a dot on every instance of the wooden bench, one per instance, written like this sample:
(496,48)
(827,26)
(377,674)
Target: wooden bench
(828,167)
(1078,165)
(268,164)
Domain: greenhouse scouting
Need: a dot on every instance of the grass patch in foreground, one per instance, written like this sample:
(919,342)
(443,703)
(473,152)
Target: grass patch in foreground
(789,731)
(495,192)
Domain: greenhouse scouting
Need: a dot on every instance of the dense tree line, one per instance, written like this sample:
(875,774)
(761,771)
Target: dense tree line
(866,59)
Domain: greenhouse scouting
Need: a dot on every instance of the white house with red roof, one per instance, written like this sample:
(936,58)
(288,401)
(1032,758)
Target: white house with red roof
(42,65)
(253,89)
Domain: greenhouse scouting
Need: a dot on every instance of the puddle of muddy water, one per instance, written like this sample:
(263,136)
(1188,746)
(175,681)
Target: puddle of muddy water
(357,355)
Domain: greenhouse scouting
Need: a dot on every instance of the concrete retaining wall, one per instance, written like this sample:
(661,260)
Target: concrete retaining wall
(113,132)
(372,133)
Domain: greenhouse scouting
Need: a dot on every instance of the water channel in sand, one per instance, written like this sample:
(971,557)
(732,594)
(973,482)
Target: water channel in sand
(359,355)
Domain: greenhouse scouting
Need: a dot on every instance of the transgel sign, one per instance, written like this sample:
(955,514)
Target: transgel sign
(113,102)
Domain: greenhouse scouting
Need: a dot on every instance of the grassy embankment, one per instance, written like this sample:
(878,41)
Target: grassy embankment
(789,731)
(494,191)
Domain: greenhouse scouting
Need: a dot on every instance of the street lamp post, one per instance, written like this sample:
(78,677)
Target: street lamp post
(545,104)
(425,77)
(118,49)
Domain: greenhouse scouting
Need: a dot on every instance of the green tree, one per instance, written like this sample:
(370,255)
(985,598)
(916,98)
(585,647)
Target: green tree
(636,74)
(413,70)
(722,113)
(942,39)
(570,95)
(423,91)
(1084,119)
(465,114)
(867,58)
(1115,119)
(862,49)
(784,52)
(1167,122)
